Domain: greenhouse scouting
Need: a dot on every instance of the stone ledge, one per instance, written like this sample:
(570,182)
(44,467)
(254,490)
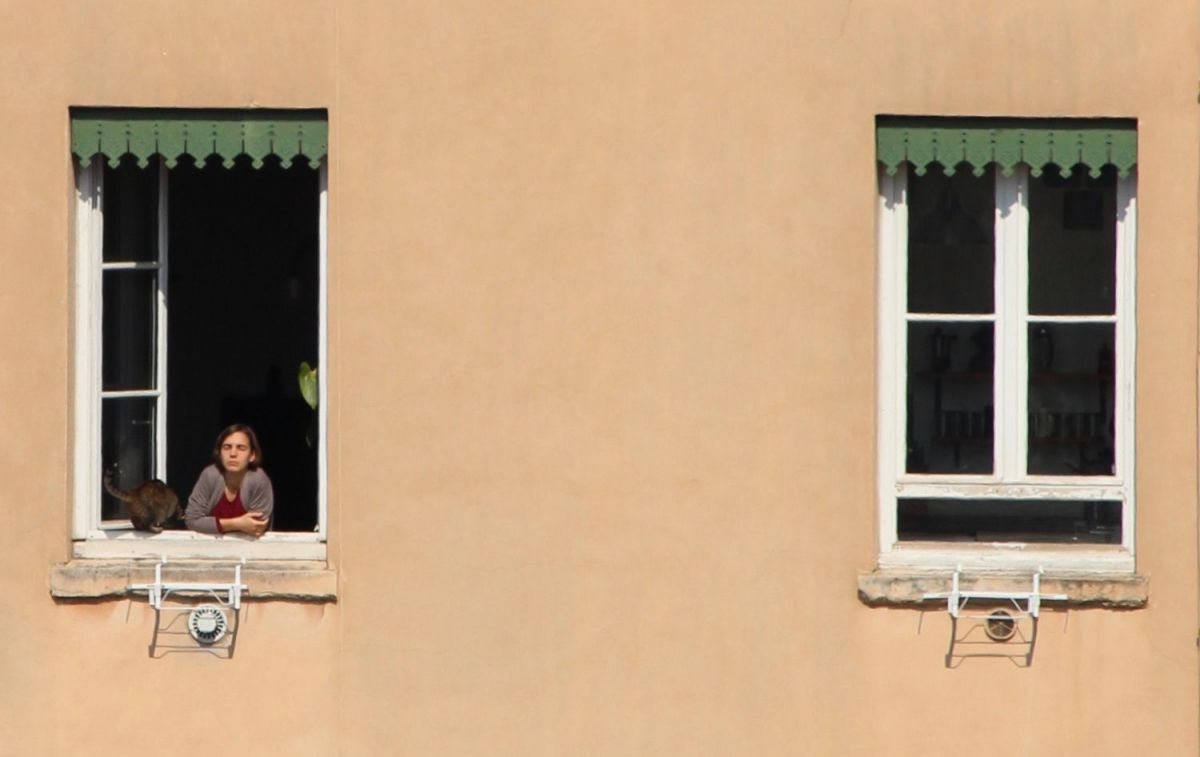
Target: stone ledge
(268,580)
(906,588)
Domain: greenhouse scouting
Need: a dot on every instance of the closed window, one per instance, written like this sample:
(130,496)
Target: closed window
(1006,340)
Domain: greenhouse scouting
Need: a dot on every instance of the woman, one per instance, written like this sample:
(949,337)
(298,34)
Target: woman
(233,495)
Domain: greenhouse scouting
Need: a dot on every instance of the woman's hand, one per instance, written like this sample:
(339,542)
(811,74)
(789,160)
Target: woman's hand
(251,523)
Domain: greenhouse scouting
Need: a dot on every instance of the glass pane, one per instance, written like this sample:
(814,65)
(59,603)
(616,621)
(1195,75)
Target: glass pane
(1073,243)
(989,520)
(1071,393)
(129,341)
(130,202)
(951,248)
(949,401)
(128,442)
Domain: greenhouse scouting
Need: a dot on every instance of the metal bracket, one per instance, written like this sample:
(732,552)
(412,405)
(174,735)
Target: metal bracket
(160,590)
(227,595)
(957,599)
(1025,604)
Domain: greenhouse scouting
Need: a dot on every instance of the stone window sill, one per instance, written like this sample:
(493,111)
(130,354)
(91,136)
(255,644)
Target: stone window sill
(906,587)
(292,580)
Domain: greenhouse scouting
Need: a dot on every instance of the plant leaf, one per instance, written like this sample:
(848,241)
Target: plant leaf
(307,378)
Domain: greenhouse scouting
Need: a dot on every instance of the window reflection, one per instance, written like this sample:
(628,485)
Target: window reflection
(1072,243)
(950,403)
(989,520)
(950,245)
(1071,398)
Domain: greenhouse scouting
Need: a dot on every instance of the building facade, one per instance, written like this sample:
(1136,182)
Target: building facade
(663,370)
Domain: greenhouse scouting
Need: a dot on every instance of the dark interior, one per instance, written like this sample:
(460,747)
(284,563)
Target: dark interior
(1051,521)
(243,304)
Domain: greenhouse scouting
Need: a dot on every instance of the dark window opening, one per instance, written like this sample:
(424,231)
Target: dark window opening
(242,314)
(993,520)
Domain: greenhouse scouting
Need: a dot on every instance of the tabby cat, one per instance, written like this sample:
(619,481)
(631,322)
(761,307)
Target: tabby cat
(152,504)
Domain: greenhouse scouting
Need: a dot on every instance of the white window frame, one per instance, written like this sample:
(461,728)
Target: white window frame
(1009,479)
(91,536)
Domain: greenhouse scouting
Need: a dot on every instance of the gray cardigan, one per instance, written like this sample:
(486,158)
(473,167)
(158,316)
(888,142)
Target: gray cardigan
(257,496)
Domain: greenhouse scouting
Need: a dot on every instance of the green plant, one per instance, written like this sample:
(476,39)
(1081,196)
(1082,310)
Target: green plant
(307,378)
(308,384)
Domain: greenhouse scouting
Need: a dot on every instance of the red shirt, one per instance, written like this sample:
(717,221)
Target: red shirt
(227,509)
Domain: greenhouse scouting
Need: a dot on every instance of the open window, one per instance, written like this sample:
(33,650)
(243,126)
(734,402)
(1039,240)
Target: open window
(1006,341)
(200,291)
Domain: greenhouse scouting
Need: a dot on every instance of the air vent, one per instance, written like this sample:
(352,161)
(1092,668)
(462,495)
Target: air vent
(208,624)
(1000,626)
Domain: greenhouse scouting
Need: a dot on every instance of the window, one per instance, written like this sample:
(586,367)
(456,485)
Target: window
(200,239)
(1006,341)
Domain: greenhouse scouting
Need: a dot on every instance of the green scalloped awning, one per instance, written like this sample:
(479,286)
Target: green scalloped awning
(1036,142)
(173,133)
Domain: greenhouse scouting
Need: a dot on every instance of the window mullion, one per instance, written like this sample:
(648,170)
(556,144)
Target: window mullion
(160,320)
(1126,373)
(323,348)
(893,355)
(1012,297)
(88,330)
(108,394)
(130,265)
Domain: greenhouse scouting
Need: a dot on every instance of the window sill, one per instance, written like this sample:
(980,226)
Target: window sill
(906,587)
(293,580)
(134,545)
(1011,557)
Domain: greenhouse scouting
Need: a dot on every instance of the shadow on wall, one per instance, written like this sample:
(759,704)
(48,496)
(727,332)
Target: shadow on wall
(173,634)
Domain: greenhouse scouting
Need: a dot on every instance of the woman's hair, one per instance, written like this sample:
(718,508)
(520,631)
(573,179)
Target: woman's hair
(254,446)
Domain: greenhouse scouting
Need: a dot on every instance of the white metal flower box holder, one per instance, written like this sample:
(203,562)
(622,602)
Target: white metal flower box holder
(999,625)
(207,623)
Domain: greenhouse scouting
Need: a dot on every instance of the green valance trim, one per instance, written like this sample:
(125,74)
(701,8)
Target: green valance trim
(173,133)
(978,142)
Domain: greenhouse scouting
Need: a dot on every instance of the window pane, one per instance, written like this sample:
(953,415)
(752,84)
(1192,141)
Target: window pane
(128,441)
(1082,522)
(1072,243)
(950,242)
(130,201)
(1071,393)
(129,340)
(949,400)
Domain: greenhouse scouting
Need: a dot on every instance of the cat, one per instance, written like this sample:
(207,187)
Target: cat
(152,504)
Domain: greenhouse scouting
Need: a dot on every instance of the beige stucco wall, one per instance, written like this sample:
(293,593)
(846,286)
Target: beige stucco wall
(602,381)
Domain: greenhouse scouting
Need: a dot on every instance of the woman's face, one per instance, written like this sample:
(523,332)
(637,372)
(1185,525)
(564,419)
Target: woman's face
(236,453)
